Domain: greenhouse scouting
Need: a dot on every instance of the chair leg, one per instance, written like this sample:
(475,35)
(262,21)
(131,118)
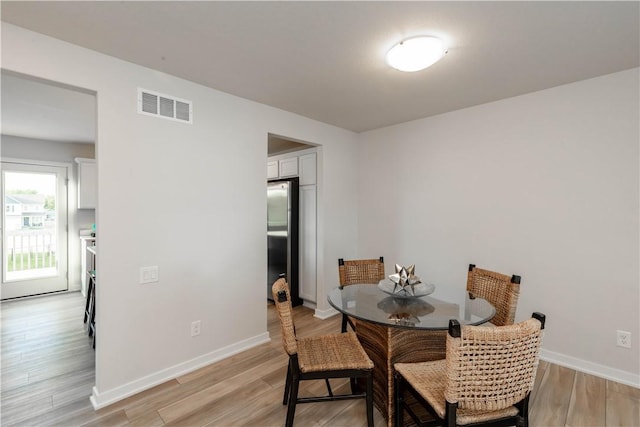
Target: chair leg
(450,415)
(329,391)
(369,399)
(398,397)
(293,399)
(287,385)
(523,407)
(344,323)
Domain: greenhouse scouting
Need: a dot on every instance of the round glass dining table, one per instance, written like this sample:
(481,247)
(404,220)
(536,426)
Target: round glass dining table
(369,303)
(394,329)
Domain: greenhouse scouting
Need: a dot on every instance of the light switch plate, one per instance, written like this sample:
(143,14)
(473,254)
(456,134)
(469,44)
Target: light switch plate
(148,274)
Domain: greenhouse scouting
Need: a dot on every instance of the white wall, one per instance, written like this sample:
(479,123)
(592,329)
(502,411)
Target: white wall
(52,151)
(211,256)
(543,185)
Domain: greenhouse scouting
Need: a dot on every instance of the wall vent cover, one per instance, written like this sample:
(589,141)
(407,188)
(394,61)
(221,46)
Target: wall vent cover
(165,106)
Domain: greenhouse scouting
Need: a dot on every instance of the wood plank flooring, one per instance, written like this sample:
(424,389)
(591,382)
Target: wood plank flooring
(47,369)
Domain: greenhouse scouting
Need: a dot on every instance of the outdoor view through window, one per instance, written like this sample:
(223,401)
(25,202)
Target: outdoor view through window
(29,218)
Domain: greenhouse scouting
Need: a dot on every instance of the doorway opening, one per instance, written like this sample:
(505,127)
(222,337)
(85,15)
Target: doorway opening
(292,217)
(34,232)
(46,125)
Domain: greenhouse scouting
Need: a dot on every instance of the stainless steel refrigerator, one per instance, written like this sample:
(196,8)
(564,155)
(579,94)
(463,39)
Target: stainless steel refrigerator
(282,235)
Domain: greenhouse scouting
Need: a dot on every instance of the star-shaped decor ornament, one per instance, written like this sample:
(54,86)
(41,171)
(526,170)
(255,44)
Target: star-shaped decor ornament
(404,280)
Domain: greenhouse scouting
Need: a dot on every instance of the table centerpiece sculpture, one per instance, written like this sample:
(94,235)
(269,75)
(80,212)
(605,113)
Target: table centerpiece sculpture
(405,284)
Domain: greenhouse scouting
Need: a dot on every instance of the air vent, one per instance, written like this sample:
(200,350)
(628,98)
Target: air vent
(168,107)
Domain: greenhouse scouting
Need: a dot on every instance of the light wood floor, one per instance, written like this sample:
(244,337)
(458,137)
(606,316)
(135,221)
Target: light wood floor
(48,371)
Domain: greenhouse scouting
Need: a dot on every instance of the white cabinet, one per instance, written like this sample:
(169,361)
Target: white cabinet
(303,166)
(307,243)
(87,183)
(272,169)
(282,168)
(308,169)
(288,167)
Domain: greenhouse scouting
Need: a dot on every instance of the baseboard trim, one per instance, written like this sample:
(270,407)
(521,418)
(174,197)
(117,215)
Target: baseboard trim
(325,314)
(308,304)
(617,375)
(102,399)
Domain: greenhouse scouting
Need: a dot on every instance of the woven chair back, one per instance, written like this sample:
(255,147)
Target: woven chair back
(359,271)
(282,299)
(489,369)
(500,290)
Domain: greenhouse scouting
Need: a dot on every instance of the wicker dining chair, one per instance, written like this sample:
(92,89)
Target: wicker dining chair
(356,272)
(486,378)
(499,289)
(337,355)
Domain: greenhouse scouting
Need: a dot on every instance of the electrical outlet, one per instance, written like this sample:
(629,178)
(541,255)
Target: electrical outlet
(195,328)
(623,339)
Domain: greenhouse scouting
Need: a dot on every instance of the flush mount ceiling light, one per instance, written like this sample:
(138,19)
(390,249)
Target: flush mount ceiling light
(416,54)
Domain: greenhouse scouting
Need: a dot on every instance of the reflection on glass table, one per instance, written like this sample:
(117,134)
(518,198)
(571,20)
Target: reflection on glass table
(405,311)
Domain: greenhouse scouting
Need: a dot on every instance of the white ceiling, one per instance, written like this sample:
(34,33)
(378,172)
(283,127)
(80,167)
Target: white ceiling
(325,60)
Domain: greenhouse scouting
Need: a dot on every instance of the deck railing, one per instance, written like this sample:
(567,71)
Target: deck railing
(30,250)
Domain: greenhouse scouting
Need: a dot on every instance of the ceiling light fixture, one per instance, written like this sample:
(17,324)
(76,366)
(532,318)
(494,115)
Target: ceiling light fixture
(416,53)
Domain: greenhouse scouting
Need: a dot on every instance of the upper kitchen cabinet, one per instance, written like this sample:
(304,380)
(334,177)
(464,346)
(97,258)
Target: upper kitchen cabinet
(303,166)
(87,183)
(308,169)
(288,167)
(283,168)
(272,169)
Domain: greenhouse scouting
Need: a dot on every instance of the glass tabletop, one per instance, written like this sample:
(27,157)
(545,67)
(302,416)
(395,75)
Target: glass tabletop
(368,302)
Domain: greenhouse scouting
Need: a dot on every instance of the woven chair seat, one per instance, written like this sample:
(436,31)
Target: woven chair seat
(429,379)
(332,352)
